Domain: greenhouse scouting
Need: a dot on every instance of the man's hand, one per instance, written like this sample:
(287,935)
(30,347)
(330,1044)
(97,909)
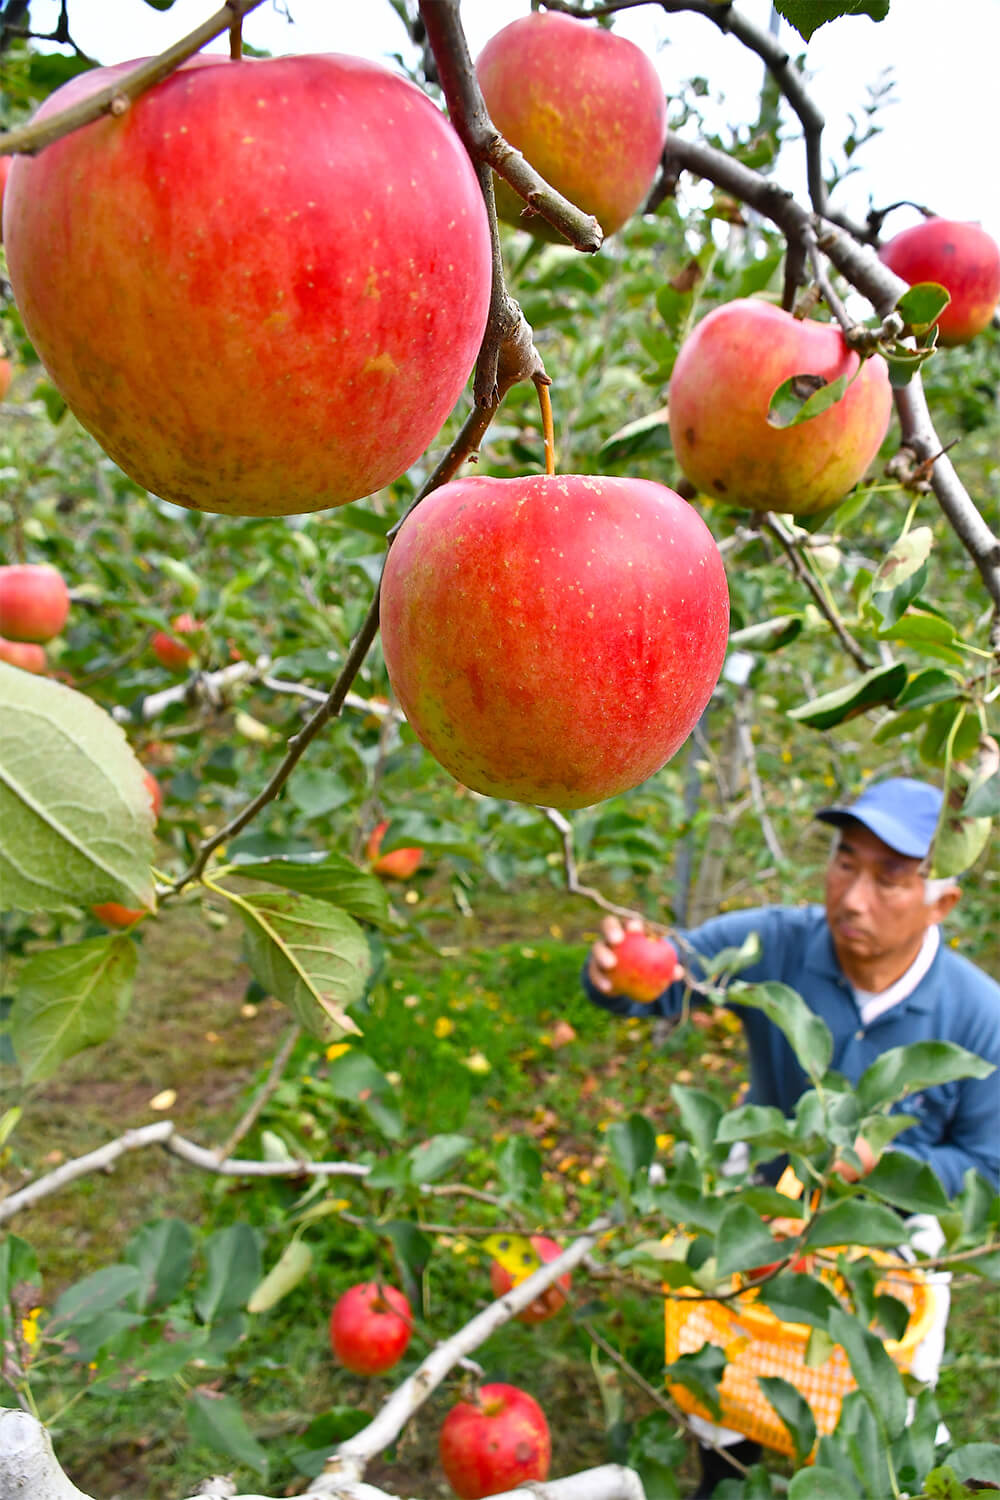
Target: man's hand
(602,964)
(865,1155)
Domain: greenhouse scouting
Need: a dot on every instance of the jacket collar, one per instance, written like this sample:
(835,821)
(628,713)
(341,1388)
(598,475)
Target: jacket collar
(821,958)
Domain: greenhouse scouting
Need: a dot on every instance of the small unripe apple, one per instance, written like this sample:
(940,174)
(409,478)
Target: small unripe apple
(585,107)
(398,864)
(34,602)
(728,369)
(171,653)
(24,654)
(499,1441)
(547,1303)
(370,1327)
(644,966)
(962,258)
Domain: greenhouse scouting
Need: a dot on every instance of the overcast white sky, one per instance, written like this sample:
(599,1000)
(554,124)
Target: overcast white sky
(938,145)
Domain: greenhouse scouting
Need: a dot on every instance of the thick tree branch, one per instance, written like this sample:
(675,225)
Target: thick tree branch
(29,139)
(480,136)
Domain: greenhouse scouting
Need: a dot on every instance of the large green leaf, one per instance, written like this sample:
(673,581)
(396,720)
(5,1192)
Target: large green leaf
(767,635)
(880,685)
(809,1036)
(794,1410)
(854,1222)
(310,955)
(218,1422)
(68,999)
(232,1271)
(908,1183)
(873,1369)
(905,1070)
(743,1241)
(327,877)
(162,1254)
(76,825)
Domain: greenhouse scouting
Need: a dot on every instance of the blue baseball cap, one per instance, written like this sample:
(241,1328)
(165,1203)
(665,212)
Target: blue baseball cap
(902,812)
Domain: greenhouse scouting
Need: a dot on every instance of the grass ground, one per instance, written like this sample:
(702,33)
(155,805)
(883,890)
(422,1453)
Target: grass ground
(558,1071)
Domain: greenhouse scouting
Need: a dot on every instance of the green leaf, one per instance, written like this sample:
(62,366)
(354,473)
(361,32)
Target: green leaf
(293,1264)
(768,635)
(310,955)
(218,1422)
(873,1369)
(76,826)
(750,1121)
(890,605)
(162,1254)
(983,801)
(978,1461)
(327,877)
(632,1144)
(906,1070)
(69,999)
(434,1158)
(413,1252)
(232,1270)
(700,1115)
(809,1036)
(317,793)
(700,1373)
(907,1182)
(923,304)
(904,559)
(796,1297)
(854,1222)
(354,1076)
(942,1483)
(95,1294)
(801,397)
(817,1484)
(794,1411)
(18,1267)
(932,685)
(880,685)
(808,15)
(519,1165)
(743,1241)
(648,434)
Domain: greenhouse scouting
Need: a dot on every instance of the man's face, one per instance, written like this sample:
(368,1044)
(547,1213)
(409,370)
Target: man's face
(875,901)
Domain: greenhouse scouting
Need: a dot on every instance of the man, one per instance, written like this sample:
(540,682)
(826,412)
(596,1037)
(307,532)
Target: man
(872,965)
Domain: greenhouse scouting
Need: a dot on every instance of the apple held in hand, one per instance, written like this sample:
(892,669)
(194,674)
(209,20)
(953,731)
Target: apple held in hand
(496,1442)
(24,654)
(398,864)
(962,258)
(34,602)
(553,639)
(262,287)
(720,392)
(370,1327)
(584,106)
(171,653)
(644,966)
(549,1302)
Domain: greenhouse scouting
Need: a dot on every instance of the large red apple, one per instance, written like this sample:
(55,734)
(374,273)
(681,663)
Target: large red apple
(584,106)
(23,654)
(496,1442)
(398,864)
(553,639)
(5,163)
(547,1303)
(720,393)
(962,258)
(262,287)
(171,653)
(644,966)
(370,1327)
(34,602)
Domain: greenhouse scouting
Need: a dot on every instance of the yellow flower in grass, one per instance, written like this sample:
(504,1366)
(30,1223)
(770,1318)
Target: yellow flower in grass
(29,1327)
(443,1027)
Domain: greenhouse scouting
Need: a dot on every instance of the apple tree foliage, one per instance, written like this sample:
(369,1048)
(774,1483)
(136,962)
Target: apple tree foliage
(864,639)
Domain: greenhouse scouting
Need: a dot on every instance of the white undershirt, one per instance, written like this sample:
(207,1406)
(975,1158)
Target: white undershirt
(871,1005)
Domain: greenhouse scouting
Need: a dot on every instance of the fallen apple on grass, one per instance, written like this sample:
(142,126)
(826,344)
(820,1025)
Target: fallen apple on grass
(34,602)
(644,966)
(726,373)
(962,258)
(497,1441)
(370,1327)
(585,107)
(293,245)
(553,639)
(549,1302)
(397,864)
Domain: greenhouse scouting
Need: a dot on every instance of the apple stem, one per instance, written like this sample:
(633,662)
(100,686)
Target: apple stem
(236,39)
(542,383)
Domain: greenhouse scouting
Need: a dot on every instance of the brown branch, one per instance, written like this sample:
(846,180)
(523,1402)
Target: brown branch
(271,1082)
(480,136)
(117,97)
(771,523)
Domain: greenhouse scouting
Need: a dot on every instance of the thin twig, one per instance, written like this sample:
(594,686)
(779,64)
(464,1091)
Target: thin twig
(770,523)
(271,1082)
(756,789)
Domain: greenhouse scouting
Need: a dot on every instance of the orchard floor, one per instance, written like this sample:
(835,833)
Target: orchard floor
(190,1031)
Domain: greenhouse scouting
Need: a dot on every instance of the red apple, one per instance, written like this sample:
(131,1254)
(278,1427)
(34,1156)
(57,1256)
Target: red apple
(800,1263)
(155,793)
(496,1442)
(398,864)
(34,602)
(963,259)
(720,393)
(262,287)
(549,1302)
(23,654)
(554,638)
(370,1327)
(112,914)
(170,652)
(584,105)
(644,966)
(5,164)
(6,376)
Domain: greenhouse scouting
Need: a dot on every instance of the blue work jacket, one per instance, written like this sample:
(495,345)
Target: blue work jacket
(958,1123)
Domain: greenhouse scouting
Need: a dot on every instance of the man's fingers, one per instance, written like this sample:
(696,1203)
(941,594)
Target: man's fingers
(604,957)
(612,929)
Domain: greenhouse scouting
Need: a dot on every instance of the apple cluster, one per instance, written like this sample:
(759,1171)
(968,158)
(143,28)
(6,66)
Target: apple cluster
(34,607)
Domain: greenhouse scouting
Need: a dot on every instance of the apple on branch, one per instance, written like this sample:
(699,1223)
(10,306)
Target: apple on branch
(112,913)
(370,1327)
(726,373)
(24,654)
(553,639)
(34,602)
(397,864)
(170,652)
(288,275)
(497,1441)
(962,258)
(585,107)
